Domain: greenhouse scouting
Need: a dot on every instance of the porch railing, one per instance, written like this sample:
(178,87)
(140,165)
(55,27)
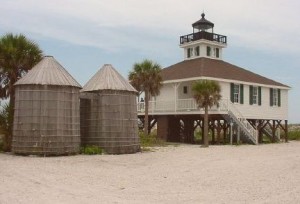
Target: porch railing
(180,105)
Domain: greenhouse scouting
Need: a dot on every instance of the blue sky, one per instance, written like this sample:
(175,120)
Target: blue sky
(263,36)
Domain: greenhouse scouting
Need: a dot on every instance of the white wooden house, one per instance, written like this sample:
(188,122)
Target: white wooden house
(251,105)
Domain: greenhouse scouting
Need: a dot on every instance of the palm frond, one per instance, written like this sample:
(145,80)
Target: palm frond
(206,93)
(145,76)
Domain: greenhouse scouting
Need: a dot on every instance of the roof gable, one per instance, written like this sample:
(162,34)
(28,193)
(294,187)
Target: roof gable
(205,67)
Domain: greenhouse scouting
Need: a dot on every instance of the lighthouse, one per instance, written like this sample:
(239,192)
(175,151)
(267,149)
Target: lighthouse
(251,104)
(203,42)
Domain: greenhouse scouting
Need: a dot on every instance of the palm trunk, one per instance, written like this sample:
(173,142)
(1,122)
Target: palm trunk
(146,113)
(205,135)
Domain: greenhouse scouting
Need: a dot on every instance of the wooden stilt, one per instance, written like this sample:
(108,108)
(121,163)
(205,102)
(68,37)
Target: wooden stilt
(260,133)
(231,133)
(225,131)
(219,128)
(174,129)
(188,130)
(212,128)
(163,127)
(202,132)
(273,131)
(238,135)
(286,131)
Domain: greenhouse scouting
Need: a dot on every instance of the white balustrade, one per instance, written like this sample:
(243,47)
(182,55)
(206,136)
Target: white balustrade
(182,105)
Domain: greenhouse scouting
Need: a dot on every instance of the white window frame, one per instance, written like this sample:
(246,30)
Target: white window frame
(190,53)
(195,51)
(255,95)
(275,97)
(208,51)
(236,93)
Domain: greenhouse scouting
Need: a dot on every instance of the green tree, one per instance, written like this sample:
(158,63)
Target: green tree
(5,120)
(145,77)
(206,94)
(17,55)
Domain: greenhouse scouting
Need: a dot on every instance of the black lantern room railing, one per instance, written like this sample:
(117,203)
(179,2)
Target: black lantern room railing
(203,35)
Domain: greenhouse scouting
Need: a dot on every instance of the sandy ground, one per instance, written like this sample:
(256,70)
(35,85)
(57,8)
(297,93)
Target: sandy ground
(182,174)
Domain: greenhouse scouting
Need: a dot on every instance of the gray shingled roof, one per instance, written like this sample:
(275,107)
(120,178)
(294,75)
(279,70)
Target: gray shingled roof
(205,67)
(107,78)
(48,72)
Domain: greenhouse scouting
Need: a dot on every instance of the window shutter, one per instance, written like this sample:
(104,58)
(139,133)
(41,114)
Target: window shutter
(250,95)
(241,94)
(232,92)
(279,98)
(259,96)
(271,97)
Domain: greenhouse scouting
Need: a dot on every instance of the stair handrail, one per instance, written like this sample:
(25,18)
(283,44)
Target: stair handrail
(243,121)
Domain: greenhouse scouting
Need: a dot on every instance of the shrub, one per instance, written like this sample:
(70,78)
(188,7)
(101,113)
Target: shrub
(1,144)
(6,121)
(150,140)
(198,136)
(91,150)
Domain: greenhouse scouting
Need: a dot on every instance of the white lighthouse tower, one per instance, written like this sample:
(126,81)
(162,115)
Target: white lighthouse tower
(203,42)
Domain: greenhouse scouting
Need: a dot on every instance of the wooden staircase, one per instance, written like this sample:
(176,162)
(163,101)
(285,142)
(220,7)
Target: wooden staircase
(247,132)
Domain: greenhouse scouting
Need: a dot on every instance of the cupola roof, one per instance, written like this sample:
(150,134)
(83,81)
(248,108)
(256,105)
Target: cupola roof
(203,24)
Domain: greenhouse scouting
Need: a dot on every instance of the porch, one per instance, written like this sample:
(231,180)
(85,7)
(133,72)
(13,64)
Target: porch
(179,118)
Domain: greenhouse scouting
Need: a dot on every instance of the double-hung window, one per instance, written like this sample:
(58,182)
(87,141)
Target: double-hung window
(190,52)
(255,95)
(197,51)
(208,51)
(275,97)
(236,93)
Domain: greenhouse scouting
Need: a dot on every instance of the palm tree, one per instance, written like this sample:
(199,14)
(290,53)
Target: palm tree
(17,55)
(145,77)
(206,94)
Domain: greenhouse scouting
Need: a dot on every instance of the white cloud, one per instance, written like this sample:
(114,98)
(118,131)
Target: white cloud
(114,25)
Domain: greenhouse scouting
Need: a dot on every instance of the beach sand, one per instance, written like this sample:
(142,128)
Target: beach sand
(173,174)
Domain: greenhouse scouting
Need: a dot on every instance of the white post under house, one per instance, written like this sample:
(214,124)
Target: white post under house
(252,106)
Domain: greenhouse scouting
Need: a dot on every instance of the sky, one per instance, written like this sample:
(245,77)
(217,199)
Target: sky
(263,36)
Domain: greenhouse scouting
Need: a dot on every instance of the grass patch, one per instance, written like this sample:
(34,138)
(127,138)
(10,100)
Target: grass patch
(150,141)
(294,135)
(91,150)
(197,137)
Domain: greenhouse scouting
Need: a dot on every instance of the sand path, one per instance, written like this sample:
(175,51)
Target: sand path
(183,174)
